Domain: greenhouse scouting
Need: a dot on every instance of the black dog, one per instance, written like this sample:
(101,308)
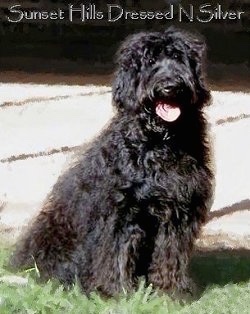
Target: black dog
(135,201)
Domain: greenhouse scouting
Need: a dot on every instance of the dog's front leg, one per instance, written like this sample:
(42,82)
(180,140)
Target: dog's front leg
(130,242)
(113,268)
(168,268)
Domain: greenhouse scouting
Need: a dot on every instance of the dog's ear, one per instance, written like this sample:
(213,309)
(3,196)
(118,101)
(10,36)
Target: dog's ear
(197,57)
(124,88)
(126,77)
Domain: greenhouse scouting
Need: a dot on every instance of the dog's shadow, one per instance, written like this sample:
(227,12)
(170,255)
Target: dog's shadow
(220,267)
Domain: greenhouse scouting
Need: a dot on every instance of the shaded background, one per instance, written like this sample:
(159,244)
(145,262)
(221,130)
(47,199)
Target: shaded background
(88,48)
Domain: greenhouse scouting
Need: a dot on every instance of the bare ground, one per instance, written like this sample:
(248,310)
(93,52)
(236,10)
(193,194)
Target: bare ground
(42,125)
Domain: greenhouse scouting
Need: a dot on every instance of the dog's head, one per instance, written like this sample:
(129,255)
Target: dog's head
(161,74)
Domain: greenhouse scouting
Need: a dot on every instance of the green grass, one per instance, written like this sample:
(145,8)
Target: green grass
(224,279)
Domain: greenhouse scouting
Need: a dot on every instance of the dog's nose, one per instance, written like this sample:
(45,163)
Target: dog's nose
(168,88)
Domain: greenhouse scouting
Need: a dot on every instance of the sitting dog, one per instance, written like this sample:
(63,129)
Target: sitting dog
(135,200)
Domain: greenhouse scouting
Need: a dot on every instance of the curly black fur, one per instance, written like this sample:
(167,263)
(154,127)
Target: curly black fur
(136,199)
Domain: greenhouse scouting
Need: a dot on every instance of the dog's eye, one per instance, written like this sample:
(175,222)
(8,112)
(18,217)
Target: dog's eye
(151,61)
(176,56)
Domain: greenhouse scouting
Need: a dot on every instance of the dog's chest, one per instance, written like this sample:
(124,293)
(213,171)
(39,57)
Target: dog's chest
(164,172)
(157,160)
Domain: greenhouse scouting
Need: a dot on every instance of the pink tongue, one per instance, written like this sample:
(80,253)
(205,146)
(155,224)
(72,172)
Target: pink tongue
(167,111)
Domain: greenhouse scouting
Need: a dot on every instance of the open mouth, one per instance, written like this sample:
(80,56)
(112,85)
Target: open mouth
(167,110)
